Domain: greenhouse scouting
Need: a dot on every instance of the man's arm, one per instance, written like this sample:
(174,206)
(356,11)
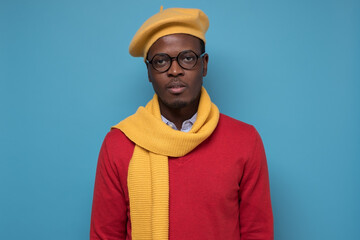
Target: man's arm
(256,219)
(108,217)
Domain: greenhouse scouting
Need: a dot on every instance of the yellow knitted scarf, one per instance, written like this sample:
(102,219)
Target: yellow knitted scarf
(148,173)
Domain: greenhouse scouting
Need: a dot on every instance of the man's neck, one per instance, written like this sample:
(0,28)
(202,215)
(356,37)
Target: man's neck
(179,115)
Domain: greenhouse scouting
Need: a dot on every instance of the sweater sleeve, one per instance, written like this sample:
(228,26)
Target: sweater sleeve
(256,219)
(109,215)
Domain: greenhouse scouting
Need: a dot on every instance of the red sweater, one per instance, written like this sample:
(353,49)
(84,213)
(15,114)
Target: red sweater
(220,190)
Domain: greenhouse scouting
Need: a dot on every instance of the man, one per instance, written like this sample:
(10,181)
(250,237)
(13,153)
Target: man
(178,169)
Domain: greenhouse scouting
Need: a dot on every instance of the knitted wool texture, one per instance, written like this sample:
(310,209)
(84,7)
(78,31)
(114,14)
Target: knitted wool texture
(148,173)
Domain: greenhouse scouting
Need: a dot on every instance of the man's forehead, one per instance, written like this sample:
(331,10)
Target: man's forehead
(175,43)
(177,39)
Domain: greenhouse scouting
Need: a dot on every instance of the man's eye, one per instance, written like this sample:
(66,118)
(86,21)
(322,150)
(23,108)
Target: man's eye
(188,58)
(159,62)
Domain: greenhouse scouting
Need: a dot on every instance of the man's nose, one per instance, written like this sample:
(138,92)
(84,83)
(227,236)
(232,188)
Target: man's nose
(175,69)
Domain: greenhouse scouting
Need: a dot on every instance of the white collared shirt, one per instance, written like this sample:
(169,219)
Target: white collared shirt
(186,125)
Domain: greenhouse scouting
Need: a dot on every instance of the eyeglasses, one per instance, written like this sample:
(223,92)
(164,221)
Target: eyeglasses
(186,59)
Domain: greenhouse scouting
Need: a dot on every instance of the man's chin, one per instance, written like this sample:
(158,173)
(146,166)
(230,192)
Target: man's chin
(177,104)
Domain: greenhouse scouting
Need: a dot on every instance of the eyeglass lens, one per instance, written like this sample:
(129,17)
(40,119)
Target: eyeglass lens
(186,60)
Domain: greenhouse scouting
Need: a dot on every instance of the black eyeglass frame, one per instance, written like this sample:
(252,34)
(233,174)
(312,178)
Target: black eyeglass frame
(177,60)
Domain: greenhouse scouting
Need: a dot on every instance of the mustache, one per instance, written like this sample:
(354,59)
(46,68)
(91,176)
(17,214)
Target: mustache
(175,83)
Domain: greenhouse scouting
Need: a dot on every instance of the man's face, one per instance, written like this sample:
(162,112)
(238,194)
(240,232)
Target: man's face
(177,87)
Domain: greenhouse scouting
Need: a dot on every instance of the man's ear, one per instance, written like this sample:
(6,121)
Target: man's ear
(205,60)
(147,67)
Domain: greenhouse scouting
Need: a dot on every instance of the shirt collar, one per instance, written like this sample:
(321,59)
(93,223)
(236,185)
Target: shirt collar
(186,125)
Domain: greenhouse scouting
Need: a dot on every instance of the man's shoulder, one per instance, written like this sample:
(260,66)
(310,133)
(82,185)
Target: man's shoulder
(115,138)
(230,123)
(234,136)
(236,129)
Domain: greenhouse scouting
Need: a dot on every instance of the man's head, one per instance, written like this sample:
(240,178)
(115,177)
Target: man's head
(172,43)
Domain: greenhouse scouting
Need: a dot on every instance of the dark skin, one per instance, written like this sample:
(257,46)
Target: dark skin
(178,89)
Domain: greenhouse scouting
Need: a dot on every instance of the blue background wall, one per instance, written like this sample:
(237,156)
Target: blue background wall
(291,68)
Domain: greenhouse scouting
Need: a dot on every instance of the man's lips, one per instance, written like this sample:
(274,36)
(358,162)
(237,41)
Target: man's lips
(176,87)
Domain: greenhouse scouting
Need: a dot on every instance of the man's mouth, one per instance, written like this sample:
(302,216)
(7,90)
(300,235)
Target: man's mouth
(176,87)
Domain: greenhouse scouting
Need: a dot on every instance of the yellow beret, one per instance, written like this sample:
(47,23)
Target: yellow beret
(166,22)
